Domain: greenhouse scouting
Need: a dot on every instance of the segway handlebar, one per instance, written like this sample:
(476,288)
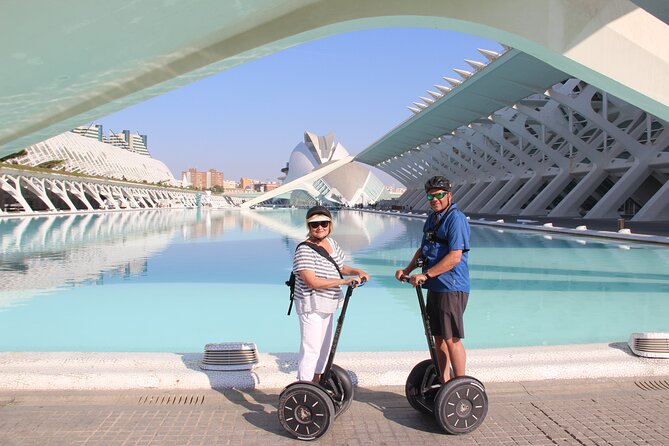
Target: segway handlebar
(340,322)
(405,279)
(426,324)
(353,284)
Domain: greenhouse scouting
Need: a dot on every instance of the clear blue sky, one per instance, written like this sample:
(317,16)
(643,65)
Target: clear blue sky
(246,121)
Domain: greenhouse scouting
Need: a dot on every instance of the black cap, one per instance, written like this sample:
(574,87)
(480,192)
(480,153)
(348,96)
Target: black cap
(318,210)
(438,182)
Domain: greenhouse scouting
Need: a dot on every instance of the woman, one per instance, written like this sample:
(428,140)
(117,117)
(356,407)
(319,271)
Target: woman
(318,293)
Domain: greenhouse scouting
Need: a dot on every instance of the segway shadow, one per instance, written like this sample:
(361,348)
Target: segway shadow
(306,409)
(460,405)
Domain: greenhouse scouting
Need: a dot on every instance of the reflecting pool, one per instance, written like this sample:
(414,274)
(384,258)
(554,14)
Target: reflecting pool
(174,280)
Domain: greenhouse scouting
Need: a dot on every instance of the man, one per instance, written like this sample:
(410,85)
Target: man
(445,274)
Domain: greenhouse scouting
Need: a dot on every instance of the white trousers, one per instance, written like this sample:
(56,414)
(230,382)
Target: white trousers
(316,339)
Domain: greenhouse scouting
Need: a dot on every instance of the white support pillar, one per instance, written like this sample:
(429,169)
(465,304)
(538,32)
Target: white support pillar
(630,181)
(657,208)
(77,189)
(94,191)
(118,194)
(607,206)
(15,190)
(38,187)
(570,204)
(501,197)
(109,200)
(476,189)
(513,206)
(58,188)
(539,204)
(484,196)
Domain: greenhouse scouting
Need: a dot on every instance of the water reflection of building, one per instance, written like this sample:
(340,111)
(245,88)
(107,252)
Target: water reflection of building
(43,253)
(354,230)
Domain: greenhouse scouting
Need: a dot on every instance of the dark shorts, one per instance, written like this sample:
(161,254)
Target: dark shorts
(445,310)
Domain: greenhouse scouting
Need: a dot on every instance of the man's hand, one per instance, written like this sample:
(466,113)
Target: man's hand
(417,279)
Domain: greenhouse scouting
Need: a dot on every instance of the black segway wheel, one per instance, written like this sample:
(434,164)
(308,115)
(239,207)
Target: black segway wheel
(305,410)
(422,386)
(461,405)
(340,388)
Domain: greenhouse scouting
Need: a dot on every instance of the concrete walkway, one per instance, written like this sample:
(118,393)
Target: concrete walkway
(598,394)
(566,412)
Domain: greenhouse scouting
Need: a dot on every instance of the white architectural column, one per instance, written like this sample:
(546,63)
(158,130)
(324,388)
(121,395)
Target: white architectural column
(657,208)
(119,196)
(497,168)
(129,196)
(12,185)
(507,172)
(77,189)
(58,187)
(630,181)
(517,126)
(38,187)
(94,191)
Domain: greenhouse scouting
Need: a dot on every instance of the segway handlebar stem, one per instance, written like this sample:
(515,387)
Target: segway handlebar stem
(426,325)
(340,322)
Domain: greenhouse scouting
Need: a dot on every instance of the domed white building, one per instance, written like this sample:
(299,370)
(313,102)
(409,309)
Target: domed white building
(350,185)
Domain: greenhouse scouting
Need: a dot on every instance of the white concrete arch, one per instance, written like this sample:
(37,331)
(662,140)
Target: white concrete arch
(612,44)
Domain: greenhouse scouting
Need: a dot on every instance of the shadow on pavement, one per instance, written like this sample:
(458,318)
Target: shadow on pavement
(396,408)
(260,408)
(623,347)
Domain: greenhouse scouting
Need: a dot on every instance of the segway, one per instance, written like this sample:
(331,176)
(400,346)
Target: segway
(460,405)
(306,409)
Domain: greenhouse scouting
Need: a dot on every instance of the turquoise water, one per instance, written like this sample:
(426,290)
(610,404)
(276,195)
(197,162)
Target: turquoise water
(174,280)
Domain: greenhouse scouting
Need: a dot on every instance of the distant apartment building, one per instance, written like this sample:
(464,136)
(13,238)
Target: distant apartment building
(249,186)
(135,143)
(265,187)
(204,180)
(132,142)
(246,183)
(90,131)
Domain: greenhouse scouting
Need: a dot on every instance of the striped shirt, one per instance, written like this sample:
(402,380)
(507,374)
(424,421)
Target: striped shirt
(324,300)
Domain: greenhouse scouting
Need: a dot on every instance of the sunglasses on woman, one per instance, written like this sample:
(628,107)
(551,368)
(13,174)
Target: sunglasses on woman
(438,195)
(315,224)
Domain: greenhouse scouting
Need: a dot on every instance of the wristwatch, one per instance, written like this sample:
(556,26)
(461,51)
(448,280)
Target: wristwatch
(428,275)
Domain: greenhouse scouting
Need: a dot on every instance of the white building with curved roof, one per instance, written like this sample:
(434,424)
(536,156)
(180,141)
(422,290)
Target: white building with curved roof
(350,185)
(72,152)
(520,138)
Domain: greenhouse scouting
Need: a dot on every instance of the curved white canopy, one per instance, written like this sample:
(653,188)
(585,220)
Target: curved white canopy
(68,63)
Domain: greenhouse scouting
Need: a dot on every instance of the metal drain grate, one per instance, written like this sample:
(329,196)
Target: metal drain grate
(652,385)
(171,400)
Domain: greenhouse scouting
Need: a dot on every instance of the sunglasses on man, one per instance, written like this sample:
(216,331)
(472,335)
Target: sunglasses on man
(315,224)
(438,195)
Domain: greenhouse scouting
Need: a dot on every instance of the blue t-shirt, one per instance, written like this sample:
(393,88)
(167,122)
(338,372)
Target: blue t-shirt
(452,235)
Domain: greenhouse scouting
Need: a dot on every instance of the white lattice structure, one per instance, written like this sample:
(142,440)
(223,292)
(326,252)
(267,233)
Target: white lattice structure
(25,192)
(569,151)
(92,157)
